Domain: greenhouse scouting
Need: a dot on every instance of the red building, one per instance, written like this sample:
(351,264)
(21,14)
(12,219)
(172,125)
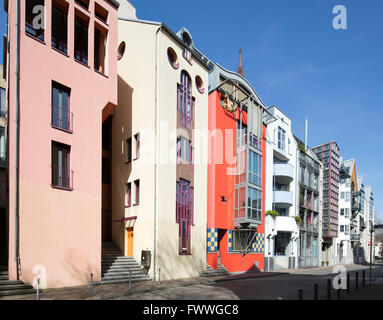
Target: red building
(236,173)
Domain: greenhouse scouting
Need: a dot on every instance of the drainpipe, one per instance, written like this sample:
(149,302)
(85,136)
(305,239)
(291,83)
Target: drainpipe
(17,136)
(155,154)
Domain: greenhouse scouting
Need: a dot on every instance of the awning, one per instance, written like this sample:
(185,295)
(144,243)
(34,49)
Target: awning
(126,219)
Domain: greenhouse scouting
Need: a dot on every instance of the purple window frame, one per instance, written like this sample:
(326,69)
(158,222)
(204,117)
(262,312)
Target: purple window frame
(185,100)
(137,195)
(60,42)
(184,213)
(129,195)
(65,182)
(81,45)
(29,16)
(182,148)
(63,119)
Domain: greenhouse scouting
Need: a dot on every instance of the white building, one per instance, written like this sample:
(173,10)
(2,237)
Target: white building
(370,218)
(282,231)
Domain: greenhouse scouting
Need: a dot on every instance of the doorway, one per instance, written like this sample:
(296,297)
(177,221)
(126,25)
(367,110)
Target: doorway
(129,241)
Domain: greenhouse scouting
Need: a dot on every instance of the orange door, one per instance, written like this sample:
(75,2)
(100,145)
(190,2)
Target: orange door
(129,242)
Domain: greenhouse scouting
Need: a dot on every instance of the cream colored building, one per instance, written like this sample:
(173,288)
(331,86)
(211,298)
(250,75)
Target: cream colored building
(154,65)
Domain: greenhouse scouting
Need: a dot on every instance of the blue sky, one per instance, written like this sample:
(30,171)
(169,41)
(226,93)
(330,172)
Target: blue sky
(297,61)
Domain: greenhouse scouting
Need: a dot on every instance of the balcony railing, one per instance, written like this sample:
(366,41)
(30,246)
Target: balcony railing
(3,159)
(62,178)
(62,119)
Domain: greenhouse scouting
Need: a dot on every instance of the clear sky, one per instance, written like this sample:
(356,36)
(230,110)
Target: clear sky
(297,61)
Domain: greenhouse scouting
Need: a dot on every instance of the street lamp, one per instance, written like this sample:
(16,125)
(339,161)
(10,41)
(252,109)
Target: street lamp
(372,229)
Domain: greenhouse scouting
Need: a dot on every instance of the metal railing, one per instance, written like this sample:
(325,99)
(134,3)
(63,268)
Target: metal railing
(62,177)
(62,119)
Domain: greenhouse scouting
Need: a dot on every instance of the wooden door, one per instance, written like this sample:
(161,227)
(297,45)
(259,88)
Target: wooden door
(129,234)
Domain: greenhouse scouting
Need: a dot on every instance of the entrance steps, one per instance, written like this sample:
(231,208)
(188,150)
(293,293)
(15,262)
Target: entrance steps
(210,272)
(116,268)
(13,288)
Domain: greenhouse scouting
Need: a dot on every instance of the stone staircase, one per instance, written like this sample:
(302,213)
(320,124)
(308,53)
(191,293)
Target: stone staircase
(210,272)
(116,268)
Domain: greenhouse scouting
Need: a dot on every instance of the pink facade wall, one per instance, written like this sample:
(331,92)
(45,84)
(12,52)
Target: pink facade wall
(59,230)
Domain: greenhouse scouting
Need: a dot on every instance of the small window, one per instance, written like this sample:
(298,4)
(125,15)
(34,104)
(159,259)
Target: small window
(83,3)
(173,59)
(100,40)
(137,141)
(61,115)
(61,174)
(60,26)
(34,18)
(81,39)
(129,150)
(137,187)
(121,50)
(100,13)
(129,194)
(199,84)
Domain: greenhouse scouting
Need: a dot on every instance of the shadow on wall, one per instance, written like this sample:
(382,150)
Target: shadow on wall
(190,265)
(121,131)
(359,255)
(78,266)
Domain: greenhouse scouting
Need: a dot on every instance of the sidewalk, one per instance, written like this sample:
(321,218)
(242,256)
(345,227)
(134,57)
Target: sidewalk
(369,292)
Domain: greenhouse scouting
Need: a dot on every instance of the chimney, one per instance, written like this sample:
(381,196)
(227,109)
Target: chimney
(240,67)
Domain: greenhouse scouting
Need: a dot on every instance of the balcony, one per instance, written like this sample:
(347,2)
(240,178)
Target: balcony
(362,225)
(62,119)
(355,203)
(283,173)
(283,199)
(62,178)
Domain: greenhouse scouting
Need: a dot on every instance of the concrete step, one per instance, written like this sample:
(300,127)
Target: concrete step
(17,292)
(140,277)
(119,262)
(123,281)
(125,273)
(3,278)
(5,282)
(119,258)
(6,287)
(122,267)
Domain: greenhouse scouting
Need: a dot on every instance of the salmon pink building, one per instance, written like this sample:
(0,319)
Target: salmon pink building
(62,86)
(236,173)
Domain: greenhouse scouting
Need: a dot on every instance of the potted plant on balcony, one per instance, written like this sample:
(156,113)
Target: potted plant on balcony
(323,263)
(298,220)
(327,263)
(272,213)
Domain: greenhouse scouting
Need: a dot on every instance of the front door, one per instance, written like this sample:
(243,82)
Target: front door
(129,236)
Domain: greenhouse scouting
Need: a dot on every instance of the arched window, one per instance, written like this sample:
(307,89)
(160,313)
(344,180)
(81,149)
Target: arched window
(185,101)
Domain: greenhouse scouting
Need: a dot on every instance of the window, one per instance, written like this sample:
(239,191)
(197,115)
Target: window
(100,13)
(184,214)
(81,40)
(61,116)
(341,228)
(184,150)
(282,241)
(34,18)
(61,175)
(342,195)
(281,139)
(3,100)
(129,194)
(255,168)
(83,3)
(137,187)
(60,27)
(129,150)
(282,212)
(342,212)
(137,140)
(105,171)
(100,40)
(2,147)
(121,50)
(254,204)
(185,100)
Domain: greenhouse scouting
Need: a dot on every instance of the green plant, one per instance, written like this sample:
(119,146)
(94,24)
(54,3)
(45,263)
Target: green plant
(301,147)
(298,219)
(272,213)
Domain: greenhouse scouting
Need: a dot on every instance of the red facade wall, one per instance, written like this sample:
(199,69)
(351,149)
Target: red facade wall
(221,214)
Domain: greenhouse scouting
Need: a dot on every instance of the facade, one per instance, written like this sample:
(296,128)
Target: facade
(369,216)
(310,175)
(62,88)
(3,168)
(282,231)
(236,173)
(328,154)
(158,168)
(349,235)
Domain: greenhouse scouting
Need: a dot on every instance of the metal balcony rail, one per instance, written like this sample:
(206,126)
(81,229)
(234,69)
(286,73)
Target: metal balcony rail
(62,118)
(354,237)
(62,177)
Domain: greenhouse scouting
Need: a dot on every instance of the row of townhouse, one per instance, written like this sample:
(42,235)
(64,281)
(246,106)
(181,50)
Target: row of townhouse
(129,152)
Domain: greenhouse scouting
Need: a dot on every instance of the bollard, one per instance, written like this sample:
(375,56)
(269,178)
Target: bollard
(38,289)
(300,294)
(364,278)
(316,291)
(130,280)
(328,289)
(338,293)
(357,281)
(159,276)
(91,284)
(348,283)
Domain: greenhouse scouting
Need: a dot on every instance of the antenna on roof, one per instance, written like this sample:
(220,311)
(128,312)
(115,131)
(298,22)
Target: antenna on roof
(240,67)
